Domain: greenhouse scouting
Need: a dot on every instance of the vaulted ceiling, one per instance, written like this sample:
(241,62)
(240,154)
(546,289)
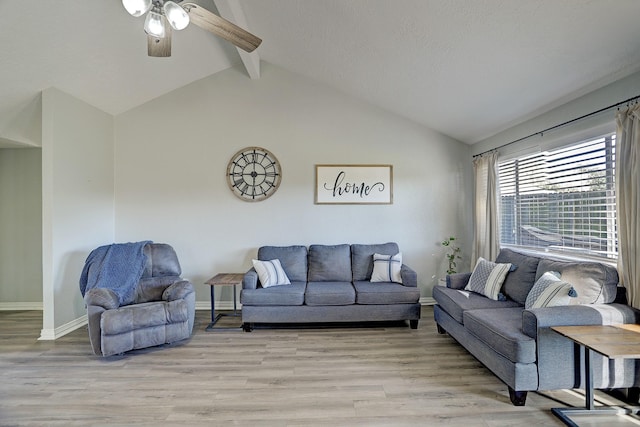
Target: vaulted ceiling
(466,68)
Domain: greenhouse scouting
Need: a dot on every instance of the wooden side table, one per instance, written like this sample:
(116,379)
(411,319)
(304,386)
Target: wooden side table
(620,341)
(223,279)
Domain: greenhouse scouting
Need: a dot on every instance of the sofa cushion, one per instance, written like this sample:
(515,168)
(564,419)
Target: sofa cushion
(292,294)
(385,293)
(595,283)
(329,263)
(270,273)
(330,293)
(386,268)
(292,258)
(502,331)
(487,278)
(549,291)
(519,282)
(455,302)
(362,258)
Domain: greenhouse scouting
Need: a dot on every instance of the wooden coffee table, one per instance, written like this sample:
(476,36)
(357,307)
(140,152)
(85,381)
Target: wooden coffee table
(223,279)
(612,341)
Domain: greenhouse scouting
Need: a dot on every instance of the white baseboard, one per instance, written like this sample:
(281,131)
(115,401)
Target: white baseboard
(52,334)
(427,301)
(20,306)
(224,305)
(203,305)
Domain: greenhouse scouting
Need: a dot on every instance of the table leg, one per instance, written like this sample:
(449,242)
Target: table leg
(235,309)
(588,380)
(213,310)
(590,409)
(215,317)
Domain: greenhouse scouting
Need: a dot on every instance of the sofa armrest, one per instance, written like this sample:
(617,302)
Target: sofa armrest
(458,280)
(102,297)
(577,315)
(559,360)
(409,276)
(177,290)
(250,279)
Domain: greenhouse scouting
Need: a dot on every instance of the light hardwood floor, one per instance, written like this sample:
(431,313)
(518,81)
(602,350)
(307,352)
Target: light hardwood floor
(375,376)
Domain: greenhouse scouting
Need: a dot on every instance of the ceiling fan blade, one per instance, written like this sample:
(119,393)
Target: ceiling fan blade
(221,27)
(160,47)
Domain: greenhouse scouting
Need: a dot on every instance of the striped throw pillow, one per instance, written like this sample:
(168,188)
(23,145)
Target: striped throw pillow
(270,273)
(550,291)
(386,268)
(487,279)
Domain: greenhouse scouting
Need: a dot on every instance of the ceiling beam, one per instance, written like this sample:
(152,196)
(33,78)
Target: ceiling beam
(232,11)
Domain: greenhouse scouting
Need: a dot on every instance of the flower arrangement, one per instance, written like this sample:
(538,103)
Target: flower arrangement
(453,253)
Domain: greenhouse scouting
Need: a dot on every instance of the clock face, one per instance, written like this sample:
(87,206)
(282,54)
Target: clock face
(254,174)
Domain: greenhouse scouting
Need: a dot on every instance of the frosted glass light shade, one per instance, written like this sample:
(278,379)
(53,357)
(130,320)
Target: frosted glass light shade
(153,25)
(137,7)
(176,15)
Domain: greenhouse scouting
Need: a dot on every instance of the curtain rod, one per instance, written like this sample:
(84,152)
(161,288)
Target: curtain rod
(561,124)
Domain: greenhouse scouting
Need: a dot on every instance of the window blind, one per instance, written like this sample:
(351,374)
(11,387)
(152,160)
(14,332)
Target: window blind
(562,199)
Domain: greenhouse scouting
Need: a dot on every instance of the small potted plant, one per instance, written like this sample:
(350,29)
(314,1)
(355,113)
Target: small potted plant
(453,253)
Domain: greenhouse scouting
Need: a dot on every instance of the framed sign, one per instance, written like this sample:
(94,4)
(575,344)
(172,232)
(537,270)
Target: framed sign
(354,184)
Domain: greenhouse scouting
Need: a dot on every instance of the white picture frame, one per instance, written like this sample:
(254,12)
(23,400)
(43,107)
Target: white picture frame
(354,185)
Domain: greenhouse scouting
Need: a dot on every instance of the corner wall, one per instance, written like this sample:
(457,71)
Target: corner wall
(172,154)
(77,202)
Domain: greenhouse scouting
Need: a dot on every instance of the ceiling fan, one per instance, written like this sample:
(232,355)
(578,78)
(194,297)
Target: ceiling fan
(163,12)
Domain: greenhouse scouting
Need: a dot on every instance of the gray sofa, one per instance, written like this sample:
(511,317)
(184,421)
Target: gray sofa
(162,312)
(517,344)
(329,283)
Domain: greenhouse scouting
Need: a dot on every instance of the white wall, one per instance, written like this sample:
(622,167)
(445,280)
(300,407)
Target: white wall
(20,228)
(78,197)
(172,153)
(593,126)
(23,127)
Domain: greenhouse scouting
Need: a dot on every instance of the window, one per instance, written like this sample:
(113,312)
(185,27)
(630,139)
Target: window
(562,199)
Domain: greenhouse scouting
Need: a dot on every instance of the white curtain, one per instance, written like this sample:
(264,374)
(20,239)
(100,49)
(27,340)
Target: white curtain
(628,199)
(486,242)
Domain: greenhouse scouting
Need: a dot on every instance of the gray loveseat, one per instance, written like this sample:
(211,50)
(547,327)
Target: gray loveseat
(329,284)
(517,344)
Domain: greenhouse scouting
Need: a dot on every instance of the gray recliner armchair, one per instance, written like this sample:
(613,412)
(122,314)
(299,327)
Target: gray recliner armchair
(162,311)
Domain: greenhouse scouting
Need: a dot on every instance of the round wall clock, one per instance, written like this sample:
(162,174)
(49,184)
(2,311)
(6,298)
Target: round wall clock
(254,174)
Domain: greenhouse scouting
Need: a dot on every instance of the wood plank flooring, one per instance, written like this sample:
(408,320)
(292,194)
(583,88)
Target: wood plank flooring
(384,375)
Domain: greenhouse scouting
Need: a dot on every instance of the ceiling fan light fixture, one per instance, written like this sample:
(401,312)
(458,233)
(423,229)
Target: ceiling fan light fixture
(176,15)
(137,7)
(154,25)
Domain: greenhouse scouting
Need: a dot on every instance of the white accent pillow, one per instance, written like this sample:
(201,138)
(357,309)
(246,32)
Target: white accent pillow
(487,279)
(270,273)
(589,290)
(550,291)
(386,268)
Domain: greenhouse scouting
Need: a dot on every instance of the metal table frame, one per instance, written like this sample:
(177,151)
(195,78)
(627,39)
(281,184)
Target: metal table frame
(564,414)
(216,281)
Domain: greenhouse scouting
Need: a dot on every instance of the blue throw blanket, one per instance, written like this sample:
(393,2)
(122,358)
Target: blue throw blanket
(118,267)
